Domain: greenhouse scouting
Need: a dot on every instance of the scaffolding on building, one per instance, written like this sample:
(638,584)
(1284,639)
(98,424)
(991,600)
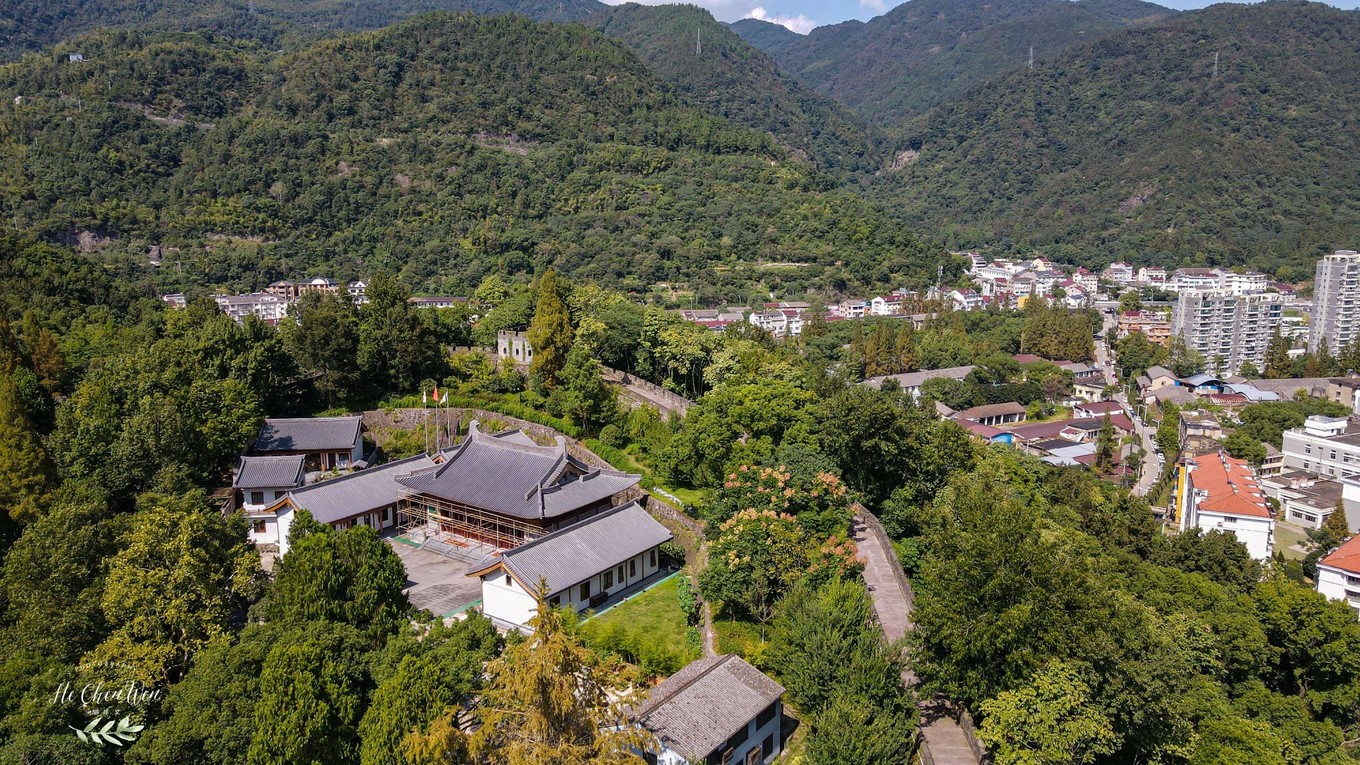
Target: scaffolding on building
(458,523)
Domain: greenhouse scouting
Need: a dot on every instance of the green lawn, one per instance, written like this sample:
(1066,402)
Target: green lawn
(1285,538)
(649,630)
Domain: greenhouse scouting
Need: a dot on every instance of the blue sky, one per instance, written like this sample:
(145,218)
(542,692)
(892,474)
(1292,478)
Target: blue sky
(803,15)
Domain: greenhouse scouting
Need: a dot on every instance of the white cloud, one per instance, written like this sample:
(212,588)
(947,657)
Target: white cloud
(800,23)
(874,5)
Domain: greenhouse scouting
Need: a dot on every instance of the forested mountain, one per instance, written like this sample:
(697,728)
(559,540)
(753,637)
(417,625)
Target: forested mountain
(927,52)
(445,148)
(714,69)
(31,24)
(1133,147)
(765,35)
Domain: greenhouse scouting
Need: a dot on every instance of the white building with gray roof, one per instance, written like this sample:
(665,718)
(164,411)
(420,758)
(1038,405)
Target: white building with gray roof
(718,711)
(583,566)
(327,443)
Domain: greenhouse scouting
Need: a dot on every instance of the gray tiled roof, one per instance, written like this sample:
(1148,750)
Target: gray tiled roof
(917,379)
(582,550)
(523,480)
(269,472)
(698,709)
(359,492)
(308,434)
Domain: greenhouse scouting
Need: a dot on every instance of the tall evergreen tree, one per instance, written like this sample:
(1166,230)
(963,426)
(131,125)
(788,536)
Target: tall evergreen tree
(550,332)
(548,701)
(583,395)
(26,473)
(1337,523)
(325,342)
(396,348)
(1278,363)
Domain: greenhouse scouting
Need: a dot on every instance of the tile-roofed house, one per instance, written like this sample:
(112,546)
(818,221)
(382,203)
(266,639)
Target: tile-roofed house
(911,382)
(326,442)
(986,433)
(500,491)
(1218,492)
(994,414)
(717,709)
(365,497)
(582,566)
(1098,409)
(1040,431)
(1338,573)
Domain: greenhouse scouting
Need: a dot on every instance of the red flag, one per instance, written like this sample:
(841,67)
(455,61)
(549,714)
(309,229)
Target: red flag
(436,394)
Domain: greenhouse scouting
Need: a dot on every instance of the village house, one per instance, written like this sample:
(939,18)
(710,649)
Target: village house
(1118,272)
(357,291)
(498,491)
(325,443)
(1152,276)
(994,414)
(437,301)
(718,710)
(1199,430)
(1155,326)
(965,300)
(271,309)
(911,382)
(1338,574)
(886,305)
(1216,492)
(583,566)
(1097,409)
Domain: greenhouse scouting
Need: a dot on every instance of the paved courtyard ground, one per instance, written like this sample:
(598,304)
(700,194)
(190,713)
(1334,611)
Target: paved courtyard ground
(435,582)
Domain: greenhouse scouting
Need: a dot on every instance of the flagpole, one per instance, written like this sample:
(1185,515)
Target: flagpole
(425,419)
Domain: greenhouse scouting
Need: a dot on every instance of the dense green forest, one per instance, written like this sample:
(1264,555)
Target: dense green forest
(724,75)
(444,148)
(1132,148)
(765,35)
(27,25)
(924,53)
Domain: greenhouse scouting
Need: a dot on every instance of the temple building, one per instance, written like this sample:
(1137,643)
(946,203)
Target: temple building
(496,492)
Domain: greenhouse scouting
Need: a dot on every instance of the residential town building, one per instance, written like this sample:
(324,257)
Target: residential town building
(1194,279)
(1336,301)
(1305,499)
(581,566)
(1118,272)
(435,301)
(1338,574)
(886,305)
(1154,325)
(1227,330)
(965,300)
(911,382)
(1199,430)
(268,308)
(994,414)
(1217,492)
(1324,446)
(719,710)
(1152,276)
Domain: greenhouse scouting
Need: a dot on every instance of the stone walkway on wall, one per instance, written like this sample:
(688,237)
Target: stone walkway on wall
(945,741)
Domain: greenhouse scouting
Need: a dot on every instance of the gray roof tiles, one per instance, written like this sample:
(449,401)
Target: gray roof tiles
(308,434)
(697,709)
(269,472)
(523,480)
(574,554)
(359,492)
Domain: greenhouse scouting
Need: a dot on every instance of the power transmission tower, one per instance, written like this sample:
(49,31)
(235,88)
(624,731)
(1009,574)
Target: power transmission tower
(698,44)
(1031,57)
(1215,65)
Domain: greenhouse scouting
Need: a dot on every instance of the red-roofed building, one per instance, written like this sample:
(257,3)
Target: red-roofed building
(1338,574)
(1216,492)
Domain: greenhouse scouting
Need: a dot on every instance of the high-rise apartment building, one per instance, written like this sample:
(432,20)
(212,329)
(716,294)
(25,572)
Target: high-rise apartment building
(1227,329)
(1336,300)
